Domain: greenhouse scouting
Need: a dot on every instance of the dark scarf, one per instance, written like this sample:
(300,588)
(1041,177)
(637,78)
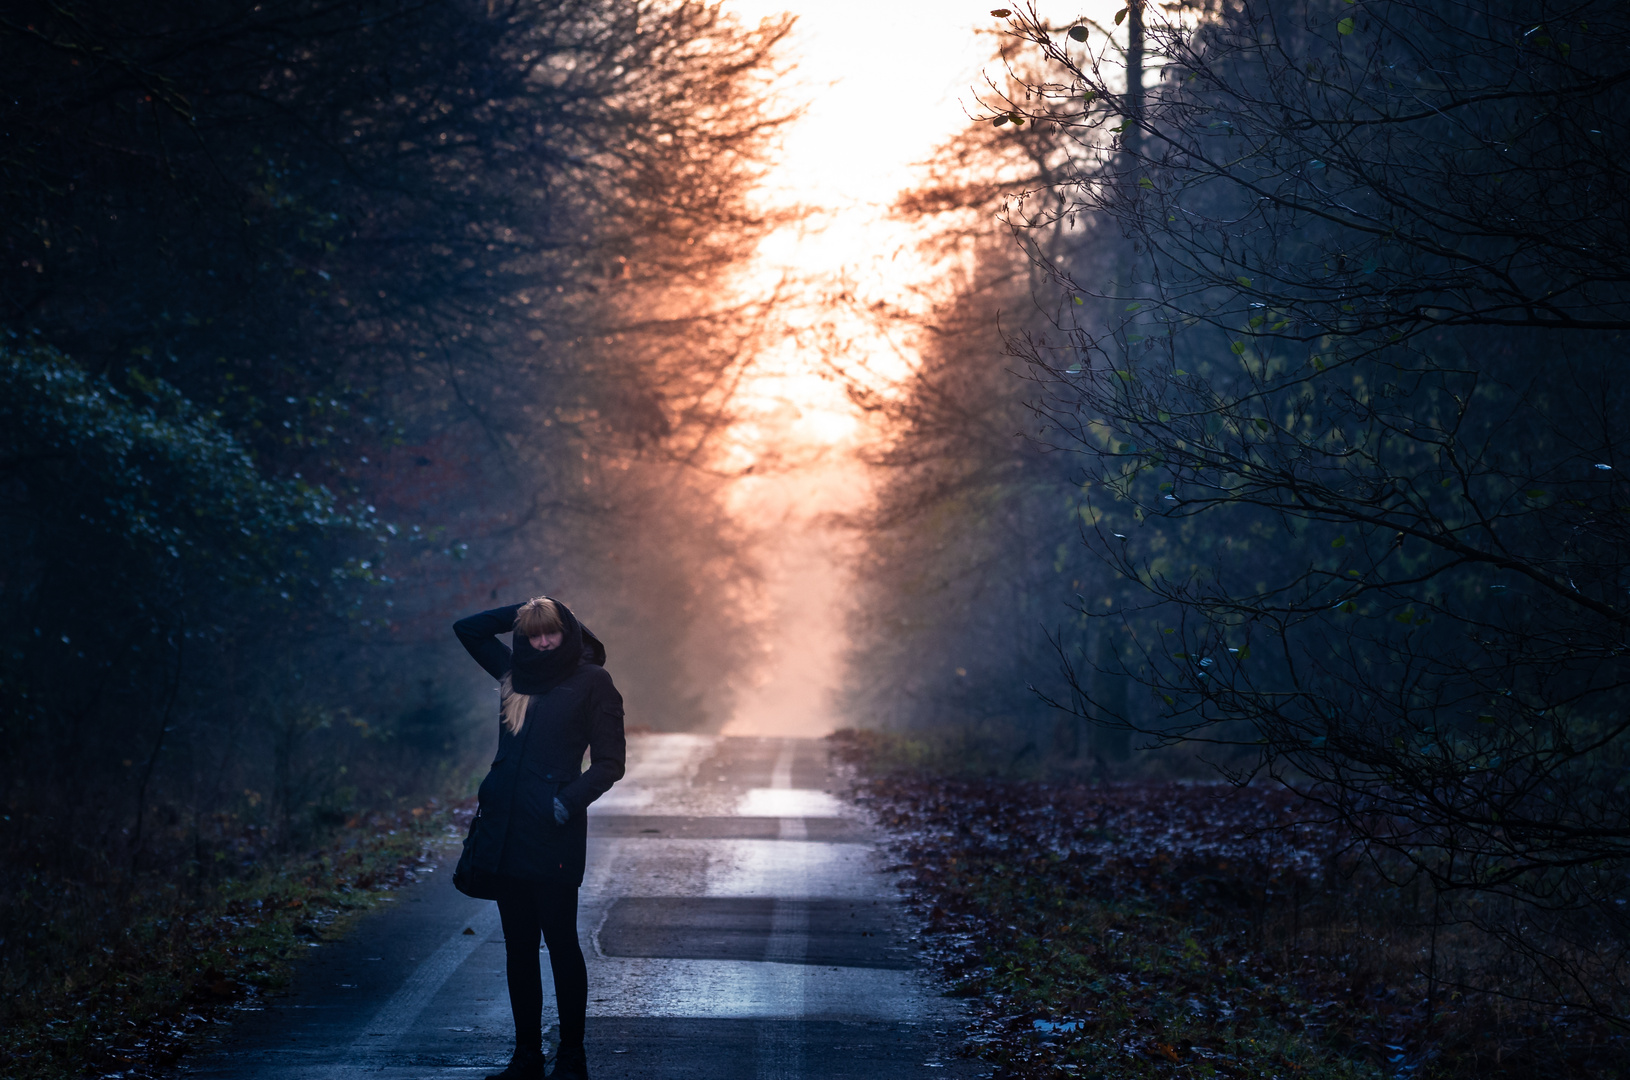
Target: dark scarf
(537,671)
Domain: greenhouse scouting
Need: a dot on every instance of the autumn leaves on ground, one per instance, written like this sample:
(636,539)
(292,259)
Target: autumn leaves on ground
(1099,930)
(132,1002)
(1177,929)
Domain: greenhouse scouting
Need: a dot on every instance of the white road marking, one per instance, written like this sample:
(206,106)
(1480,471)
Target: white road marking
(780,1057)
(781,774)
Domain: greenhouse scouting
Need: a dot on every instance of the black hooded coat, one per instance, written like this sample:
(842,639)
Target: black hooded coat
(574,707)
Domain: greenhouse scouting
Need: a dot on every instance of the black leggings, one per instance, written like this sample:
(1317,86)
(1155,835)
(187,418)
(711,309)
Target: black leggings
(530,909)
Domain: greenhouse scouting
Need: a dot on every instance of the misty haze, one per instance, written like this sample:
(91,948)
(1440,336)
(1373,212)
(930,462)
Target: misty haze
(771,538)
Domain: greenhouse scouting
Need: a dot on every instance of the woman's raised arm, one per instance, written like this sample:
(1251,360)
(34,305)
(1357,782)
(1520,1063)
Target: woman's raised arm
(479,636)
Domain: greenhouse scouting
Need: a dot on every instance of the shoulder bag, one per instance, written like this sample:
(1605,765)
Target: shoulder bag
(467,878)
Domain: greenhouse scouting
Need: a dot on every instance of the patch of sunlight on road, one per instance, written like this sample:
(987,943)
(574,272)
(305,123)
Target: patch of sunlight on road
(661,867)
(789,802)
(655,764)
(742,989)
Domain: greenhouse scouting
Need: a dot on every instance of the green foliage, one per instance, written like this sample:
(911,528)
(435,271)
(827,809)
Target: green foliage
(156,477)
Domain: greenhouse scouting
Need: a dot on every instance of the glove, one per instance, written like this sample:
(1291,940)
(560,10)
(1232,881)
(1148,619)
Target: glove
(561,813)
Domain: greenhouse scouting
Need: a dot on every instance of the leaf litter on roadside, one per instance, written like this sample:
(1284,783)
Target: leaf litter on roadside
(1180,929)
(136,1000)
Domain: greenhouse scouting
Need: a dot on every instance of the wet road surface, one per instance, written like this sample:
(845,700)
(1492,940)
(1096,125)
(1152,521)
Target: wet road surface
(738,924)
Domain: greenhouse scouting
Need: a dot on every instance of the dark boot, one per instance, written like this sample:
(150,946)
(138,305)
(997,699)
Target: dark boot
(570,1064)
(525,1065)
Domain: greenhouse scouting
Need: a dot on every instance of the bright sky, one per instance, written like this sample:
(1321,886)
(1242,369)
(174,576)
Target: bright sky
(883,83)
(882,80)
(886,82)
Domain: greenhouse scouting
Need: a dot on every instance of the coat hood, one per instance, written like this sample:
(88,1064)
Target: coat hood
(537,671)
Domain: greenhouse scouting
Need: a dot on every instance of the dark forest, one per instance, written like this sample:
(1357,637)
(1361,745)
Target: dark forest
(1261,435)
(324,323)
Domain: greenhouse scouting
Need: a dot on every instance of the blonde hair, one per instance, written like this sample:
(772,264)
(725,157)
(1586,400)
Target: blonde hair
(539,615)
(512,706)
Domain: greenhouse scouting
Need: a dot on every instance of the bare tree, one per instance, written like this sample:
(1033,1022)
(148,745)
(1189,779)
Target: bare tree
(325,322)
(1354,423)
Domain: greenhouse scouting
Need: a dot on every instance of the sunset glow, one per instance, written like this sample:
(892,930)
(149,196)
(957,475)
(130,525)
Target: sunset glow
(885,84)
(882,85)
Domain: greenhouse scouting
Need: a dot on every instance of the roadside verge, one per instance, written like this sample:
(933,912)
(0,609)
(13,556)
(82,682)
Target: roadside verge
(131,1005)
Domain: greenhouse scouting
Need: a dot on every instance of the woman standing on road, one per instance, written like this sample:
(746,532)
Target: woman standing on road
(555,700)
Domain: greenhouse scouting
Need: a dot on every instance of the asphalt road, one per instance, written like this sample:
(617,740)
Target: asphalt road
(738,921)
